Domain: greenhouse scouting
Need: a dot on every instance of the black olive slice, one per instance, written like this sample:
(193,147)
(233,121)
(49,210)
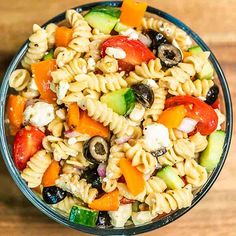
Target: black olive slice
(53,194)
(157,38)
(159,152)
(212,94)
(103,219)
(144,94)
(169,55)
(96,149)
(93,178)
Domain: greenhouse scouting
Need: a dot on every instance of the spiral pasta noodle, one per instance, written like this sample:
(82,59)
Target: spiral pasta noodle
(51,31)
(197,88)
(155,185)
(150,70)
(144,161)
(64,56)
(19,79)
(158,104)
(170,201)
(199,141)
(109,185)
(108,65)
(81,31)
(79,188)
(38,46)
(176,134)
(56,127)
(99,83)
(101,112)
(35,169)
(79,161)
(195,174)
(69,71)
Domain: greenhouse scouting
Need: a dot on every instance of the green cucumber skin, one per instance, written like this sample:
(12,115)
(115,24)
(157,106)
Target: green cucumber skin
(83,216)
(170,177)
(121,101)
(115,12)
(195,50)
(207,72)
(120,27)
(102,19)
(210,157)
(49,56)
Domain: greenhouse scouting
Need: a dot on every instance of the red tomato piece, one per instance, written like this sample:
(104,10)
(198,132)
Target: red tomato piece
(27,142)
(136,51)
(216,104)
(199,110)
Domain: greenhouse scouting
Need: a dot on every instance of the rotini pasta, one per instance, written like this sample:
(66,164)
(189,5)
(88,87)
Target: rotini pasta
(35,169)
(102,113)
(170,201)
(199,141)
(108,65)
(19,79)
(79,188)
(64,56)
(38,46)
(144,161)
(51,31)
(152,70)
(176,134)
(155,185)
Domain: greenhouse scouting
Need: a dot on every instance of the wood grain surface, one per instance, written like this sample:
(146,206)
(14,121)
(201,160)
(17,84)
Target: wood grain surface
(214,21)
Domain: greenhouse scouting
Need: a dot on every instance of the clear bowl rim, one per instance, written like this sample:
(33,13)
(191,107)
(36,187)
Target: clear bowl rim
(115,231)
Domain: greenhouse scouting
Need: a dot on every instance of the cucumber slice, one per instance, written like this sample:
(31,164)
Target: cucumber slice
(207,70)
(210,157)
(120,27)
(103,18)
(115,12)
(83,216)
(195,50)
(49,56)
(121,101)
(171,178)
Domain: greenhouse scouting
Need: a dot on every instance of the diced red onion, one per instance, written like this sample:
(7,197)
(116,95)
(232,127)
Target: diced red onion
(71,134)
(145,40)
(187,125)
(102,169)
(122,139)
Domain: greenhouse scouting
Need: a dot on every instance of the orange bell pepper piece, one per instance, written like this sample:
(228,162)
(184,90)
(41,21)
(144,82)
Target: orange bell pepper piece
(15,109)
(42,72)
(87,125)
(63,36)
(132,13)
(108,202)
(173,116)
(51,174)
(73,116)
(133,177)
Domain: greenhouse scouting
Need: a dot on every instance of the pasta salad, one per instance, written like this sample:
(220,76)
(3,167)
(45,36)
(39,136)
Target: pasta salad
(116,119)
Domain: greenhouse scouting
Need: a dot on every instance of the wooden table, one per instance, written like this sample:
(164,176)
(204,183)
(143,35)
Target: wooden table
(215,21)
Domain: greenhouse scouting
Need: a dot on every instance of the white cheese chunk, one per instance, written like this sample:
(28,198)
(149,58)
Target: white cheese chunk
(32,85)
(40,114)
(131,33)
(156,136)
(120,217)
(117,53)
(138,113)
(221,119)
(62,89)
(72,141)
(91,64)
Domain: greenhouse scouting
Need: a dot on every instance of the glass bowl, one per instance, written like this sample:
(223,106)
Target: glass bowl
(6,141)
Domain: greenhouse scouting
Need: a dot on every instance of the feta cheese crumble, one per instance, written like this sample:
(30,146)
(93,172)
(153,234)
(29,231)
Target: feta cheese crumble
(138,113)
(156,136)
(221,119)
(131,33)
(117,53)
(62,89)
(40,114)
(91,64)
